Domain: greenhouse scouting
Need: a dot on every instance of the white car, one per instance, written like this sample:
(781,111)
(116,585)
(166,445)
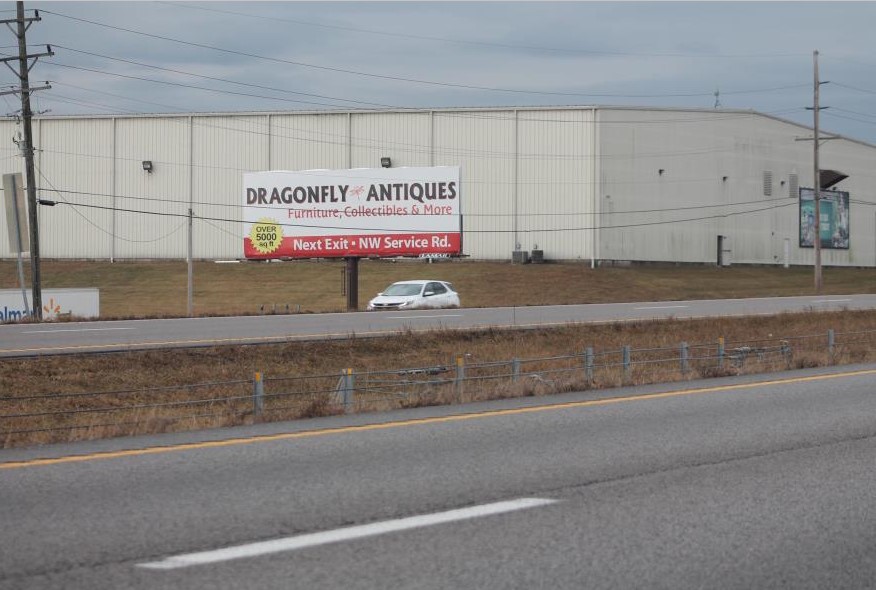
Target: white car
(415,295)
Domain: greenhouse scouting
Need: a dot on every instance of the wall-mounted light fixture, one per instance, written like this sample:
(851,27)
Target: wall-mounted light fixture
(660,172)
(723,179)
(386,162)
(147,166)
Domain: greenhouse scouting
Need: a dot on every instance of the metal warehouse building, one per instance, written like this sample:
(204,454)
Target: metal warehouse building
(593,184)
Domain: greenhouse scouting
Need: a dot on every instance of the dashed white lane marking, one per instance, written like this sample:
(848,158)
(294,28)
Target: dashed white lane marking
(52,331)
(344,534)
(663,307)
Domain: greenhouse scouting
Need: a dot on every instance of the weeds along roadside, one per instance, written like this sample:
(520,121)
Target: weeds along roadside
(68,398)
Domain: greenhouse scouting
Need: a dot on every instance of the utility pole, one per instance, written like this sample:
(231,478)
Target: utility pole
(817,176)
(24,66)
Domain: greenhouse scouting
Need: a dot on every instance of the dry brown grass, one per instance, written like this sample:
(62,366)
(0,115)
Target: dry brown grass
(300,377)
(158,289)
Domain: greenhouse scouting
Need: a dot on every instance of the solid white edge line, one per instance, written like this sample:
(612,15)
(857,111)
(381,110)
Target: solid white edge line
(662,307)
(344,534)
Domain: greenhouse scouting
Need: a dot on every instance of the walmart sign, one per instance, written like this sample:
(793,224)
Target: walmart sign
(76,303)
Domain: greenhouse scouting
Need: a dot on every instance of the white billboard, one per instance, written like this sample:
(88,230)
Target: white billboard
(352,213)
(77,303)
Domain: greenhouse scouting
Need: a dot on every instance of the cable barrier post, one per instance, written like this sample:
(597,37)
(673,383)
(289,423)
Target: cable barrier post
(588,364)
(831,345)
(258,394)
(685,358)
(460,377)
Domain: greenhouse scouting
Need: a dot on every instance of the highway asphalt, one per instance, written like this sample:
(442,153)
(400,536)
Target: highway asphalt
(744,482)
(18,340)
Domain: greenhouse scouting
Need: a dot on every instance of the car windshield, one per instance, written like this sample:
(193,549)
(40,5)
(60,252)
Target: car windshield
(402,289)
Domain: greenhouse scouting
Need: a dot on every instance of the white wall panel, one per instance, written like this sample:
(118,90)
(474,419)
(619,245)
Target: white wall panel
(152,207)
(482,145)
(555,182)
(74,167)
(403,137)
(307,142)
(713,164)
(223,149)
(537,176)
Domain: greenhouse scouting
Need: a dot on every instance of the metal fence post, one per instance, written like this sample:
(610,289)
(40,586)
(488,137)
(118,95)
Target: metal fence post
(349,386)
(460,376)
(588,364)
(515,370)
(721,352)
(786,352)
(831,345)
(258,394)
(685,356)
(627,365)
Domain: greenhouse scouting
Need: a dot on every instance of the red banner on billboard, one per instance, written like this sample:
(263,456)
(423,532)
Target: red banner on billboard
(359,245)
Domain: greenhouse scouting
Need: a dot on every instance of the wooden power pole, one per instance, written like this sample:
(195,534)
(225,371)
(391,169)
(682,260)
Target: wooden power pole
(24,66)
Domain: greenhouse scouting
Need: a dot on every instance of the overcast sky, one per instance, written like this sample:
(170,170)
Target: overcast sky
(269,56)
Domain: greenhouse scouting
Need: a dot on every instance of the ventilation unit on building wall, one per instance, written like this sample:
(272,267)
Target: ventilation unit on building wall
(767,183)
(793,186)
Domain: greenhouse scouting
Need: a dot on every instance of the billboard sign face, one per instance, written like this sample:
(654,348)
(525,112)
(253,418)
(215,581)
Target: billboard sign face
(834,227)
(364,212)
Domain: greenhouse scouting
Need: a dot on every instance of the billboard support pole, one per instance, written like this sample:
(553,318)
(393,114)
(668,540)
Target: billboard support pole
(351,278)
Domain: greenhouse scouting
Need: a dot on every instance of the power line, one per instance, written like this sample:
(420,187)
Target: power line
(856,88)
(681,120)
(192,86)
(411,80)
(186,203)
(481,43)
(470,231)
(102,229)
(225,80)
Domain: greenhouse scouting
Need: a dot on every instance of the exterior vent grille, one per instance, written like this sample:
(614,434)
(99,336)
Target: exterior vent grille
(793,186)
(767,183)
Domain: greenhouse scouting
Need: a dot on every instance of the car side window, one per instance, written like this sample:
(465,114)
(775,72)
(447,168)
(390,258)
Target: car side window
(436,288)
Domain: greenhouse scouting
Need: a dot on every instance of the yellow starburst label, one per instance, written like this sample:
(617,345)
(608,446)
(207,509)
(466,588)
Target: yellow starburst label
(266,236)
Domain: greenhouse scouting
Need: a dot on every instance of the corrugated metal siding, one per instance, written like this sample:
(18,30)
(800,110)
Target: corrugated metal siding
(482,145)
(223,149)
(152,216)
(657,169)
(697,151)
(556,182)
(74,165)
(307,142)
(404,137)
(538,163)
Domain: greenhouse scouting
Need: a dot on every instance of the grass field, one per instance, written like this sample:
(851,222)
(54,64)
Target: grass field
(53,399)
(67,398)
(159,289)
